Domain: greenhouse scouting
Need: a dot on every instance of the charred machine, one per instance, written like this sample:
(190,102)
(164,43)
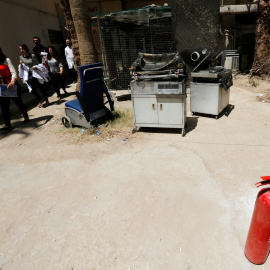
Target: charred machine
(158,91)
(210,85)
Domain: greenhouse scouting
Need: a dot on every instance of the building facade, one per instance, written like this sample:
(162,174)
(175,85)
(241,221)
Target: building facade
(238,20)
(217,25)
(22,20)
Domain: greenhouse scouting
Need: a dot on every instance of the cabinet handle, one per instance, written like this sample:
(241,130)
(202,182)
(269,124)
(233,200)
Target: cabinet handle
(161,107)
(153,106)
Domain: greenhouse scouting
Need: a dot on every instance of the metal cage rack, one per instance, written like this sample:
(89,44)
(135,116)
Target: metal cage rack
(122,42)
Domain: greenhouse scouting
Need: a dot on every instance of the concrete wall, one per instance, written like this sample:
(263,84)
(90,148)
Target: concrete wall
(21,20)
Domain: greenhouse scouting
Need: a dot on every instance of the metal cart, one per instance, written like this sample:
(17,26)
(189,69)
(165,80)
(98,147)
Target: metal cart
(159,104)
(210,86)
(158,91)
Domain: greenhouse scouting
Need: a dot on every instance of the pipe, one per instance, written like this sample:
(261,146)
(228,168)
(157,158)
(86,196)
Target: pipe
(227,41)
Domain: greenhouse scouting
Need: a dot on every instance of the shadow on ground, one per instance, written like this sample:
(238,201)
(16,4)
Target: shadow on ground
(226,112)
(19,127)
(191,124)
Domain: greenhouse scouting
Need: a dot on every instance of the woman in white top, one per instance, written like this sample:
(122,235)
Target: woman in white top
(56,70)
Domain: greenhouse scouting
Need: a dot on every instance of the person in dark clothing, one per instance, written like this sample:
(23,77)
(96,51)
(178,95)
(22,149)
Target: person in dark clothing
(55,70)
(8,76)
(39,48)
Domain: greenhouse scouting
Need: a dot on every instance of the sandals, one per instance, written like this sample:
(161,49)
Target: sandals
(40,103)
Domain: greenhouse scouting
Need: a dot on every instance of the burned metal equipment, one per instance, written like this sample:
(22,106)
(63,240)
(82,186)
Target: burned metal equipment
(163,66)
(158,91)
(210,86)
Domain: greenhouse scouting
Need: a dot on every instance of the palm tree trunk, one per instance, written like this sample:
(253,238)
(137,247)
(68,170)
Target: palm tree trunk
(71,29)
(261,64)
(81,20)
(72,33)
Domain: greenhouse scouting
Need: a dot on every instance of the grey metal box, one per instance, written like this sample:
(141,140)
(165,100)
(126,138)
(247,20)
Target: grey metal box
(208,98)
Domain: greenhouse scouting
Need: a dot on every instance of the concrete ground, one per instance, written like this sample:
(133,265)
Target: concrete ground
(155,201)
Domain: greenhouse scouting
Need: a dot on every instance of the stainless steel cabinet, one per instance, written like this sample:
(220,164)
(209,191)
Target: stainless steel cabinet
(160,111)
(145,110)
(159,104)
(208,98)
(171,111)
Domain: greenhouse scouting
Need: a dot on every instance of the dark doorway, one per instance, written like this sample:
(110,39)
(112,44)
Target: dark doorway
(245,25)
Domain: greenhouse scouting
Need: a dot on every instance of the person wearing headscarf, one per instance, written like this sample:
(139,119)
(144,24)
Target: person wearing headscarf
(8,76)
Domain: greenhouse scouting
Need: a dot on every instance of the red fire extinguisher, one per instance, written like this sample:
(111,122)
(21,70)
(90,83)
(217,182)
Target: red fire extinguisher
(258,239)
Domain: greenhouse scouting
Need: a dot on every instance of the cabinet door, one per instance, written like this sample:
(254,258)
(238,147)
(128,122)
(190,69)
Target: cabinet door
(170,111)
(145,110)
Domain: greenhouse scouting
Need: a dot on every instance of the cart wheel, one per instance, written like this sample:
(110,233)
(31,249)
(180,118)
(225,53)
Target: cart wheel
(216,116)
(183,132)
(134,130)
(66,122)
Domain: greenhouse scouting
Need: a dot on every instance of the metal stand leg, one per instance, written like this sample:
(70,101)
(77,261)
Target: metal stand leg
(183,132)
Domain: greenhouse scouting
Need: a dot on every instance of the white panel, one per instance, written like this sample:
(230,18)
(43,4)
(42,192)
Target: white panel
(204,98)
(145,110)
(170,111)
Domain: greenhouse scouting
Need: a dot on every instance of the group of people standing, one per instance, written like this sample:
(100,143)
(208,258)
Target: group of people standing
(34,70)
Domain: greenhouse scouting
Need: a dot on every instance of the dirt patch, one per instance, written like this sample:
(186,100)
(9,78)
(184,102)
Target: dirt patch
(120,127)
(254,85)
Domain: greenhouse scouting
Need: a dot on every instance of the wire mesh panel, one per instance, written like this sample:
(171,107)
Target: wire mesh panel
(195,23)
(121,42)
